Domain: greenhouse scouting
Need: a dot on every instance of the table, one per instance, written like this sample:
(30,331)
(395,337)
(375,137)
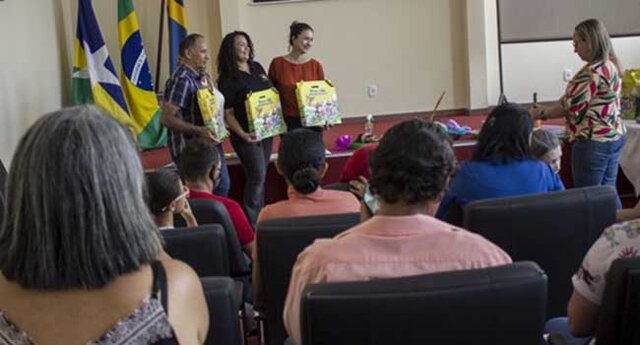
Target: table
(276,186)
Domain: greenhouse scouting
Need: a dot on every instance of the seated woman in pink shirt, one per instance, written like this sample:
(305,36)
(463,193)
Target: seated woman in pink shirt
(301,161)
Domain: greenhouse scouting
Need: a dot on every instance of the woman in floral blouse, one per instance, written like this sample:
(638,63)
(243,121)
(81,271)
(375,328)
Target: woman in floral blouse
(591,106)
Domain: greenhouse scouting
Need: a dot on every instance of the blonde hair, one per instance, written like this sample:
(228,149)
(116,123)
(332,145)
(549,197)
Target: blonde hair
(596,35)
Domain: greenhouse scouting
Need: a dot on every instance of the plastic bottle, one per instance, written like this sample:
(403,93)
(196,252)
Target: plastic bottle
(368,126)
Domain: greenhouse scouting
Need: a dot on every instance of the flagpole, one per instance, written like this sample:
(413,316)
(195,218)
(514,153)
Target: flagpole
(160,36)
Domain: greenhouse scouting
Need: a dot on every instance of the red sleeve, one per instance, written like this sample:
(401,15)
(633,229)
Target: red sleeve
(320,72)
(240,222)
(358,164)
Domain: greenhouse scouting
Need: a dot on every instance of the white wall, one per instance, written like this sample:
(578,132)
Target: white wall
(32,76)
(411,49)
(529,67)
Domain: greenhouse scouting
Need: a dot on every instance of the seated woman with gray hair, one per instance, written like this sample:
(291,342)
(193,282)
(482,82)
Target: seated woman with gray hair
(78,248)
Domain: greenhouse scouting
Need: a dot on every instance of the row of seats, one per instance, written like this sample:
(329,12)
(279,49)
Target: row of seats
(497,305)
(555,230)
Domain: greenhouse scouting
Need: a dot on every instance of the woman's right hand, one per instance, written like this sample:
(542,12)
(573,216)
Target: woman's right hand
(249,137)
(535,111)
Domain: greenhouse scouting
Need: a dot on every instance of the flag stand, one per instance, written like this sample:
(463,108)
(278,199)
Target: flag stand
(160,37)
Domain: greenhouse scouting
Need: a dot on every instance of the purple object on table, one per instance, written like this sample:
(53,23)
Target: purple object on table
(454,128)
(343,142)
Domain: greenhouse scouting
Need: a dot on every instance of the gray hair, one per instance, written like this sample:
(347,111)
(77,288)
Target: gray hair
(543,141)
(597,36)
(76,216)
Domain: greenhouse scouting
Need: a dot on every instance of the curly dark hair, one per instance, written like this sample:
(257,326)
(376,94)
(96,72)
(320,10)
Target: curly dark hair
(412,163)
(301,156)
(197,159)
(227,60)
(504,136)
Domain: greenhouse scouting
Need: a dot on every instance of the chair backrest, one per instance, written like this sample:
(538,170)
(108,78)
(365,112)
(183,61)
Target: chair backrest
(204,248)
(212,212)
(620,309)
(279,243)
(555,230)
(224,328)
(342,186)
(497,305)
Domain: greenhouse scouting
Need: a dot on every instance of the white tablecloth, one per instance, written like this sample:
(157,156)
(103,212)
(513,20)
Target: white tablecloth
(630,156)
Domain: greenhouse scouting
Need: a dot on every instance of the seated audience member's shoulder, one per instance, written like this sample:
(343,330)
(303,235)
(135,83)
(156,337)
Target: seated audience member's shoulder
(483,249)
(342,195)
(179,275)
(326,250)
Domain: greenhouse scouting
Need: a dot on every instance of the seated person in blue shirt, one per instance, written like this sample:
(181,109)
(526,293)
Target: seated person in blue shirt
(502,164)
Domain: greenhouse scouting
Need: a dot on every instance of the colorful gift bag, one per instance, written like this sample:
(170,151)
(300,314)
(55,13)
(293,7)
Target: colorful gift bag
(264,113)
(318,103)
(630,101)
(212,115)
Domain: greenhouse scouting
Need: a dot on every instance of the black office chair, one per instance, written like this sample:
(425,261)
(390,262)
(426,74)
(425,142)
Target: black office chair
(212,212)
(204,248)
(555,230)
(341,186)
(222,301)
(620,309)
(279,243)
(498,305)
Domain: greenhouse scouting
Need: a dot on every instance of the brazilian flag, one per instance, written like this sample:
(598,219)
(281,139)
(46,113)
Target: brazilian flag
(136,80)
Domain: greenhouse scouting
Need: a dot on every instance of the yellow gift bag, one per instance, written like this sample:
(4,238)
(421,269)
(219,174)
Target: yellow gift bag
(264,113)
(212,115)
(630,102)
(318,103)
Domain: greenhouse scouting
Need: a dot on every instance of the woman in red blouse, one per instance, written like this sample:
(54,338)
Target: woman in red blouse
(287,70)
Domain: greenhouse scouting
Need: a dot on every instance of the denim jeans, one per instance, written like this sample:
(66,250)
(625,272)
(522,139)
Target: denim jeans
(224,184)
(595,163)
(560,326)
(255,159)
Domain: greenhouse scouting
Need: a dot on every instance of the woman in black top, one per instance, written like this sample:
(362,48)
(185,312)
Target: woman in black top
(238,76)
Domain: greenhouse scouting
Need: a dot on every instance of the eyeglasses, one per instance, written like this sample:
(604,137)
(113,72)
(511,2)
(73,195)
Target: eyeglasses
(184,194)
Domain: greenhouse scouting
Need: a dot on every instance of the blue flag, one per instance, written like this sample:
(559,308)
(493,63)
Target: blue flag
(177,29)
(94,77)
